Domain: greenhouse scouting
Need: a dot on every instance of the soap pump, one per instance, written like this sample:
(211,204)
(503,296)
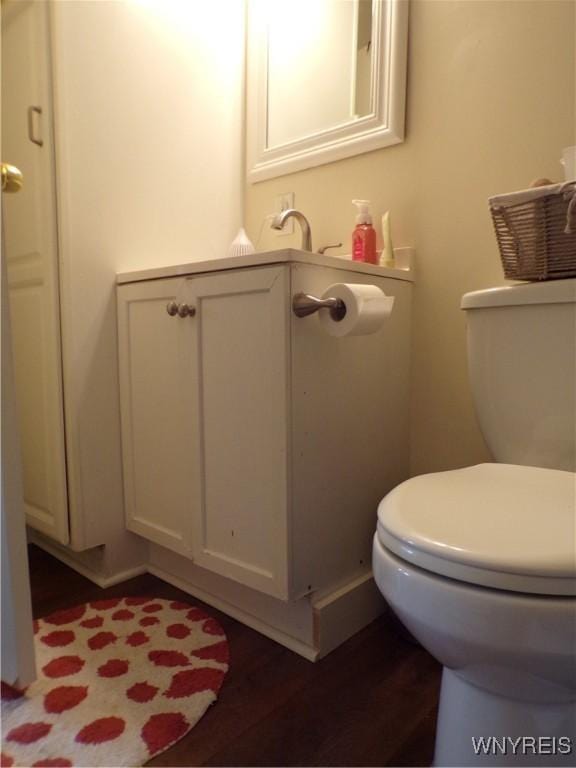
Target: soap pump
(364,236)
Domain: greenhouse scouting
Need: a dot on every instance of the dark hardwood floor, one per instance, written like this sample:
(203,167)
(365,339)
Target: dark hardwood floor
(370,702)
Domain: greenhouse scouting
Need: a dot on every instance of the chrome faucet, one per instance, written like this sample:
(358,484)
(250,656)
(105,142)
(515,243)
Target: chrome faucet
(281,218)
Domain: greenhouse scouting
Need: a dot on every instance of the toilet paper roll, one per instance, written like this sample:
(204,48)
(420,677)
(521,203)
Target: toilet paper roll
(367,307)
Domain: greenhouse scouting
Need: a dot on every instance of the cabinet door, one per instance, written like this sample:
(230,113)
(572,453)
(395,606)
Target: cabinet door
(32,261)
(240,372)
(158,446)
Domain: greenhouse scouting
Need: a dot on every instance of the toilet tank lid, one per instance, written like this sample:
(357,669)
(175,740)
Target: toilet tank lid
(547,292)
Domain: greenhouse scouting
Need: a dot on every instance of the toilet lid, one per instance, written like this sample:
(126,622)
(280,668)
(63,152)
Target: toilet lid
(497,525)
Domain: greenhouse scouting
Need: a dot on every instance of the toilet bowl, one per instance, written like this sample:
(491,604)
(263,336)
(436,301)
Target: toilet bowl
(480,563)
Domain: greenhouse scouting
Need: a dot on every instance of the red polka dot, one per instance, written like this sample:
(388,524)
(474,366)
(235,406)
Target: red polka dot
(35,626)
(180,631)
(176,605)
(162,730)
(216,652)
(168,659)
(142,692)
(29,732)
(152,608)
(137,600)
(52,762)
(211,627)
(64,698)
(195,614)
(95,621)
(58,638)
(113,668)
(101,640)
(63,666)
(5,760)
(103,729)
(104,605)
(194,681)
(148,621)
(137,638)
(67,615)
(122,615)
(9,693)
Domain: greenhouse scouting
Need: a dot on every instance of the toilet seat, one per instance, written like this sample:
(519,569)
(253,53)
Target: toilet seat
(496,525)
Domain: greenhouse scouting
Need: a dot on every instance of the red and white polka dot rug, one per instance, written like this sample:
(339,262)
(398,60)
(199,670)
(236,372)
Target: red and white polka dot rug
(119,681)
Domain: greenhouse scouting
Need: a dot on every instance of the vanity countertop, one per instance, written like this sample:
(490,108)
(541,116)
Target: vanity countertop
(261,259)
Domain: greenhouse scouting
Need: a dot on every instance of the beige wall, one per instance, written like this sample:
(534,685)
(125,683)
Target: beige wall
(491,104)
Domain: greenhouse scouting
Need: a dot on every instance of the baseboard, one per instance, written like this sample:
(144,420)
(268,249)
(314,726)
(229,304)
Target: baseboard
(73,561)
(118,578)
(344,612)
(251,621)
(337,615)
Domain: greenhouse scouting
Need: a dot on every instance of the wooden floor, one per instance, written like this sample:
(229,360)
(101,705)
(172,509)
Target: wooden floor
(370,702)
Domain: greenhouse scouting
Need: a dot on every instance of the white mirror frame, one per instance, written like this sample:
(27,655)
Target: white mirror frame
(382,128)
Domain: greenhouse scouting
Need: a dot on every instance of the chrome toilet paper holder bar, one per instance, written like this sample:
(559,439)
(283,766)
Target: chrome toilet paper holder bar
(303,304)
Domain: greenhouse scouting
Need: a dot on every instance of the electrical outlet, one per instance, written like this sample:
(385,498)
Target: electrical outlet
(282,202)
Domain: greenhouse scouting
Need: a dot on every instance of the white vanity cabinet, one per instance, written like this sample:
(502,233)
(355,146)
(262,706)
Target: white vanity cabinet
(204,420)
(255,444)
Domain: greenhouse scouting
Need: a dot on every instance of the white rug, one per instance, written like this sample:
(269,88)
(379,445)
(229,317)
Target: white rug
(119,681)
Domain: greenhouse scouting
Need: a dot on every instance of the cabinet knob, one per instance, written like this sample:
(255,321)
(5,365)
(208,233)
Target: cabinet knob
(182,310)
(172,308)
(185,310)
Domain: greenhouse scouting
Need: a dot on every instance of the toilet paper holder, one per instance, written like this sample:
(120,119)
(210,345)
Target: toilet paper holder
(303,304)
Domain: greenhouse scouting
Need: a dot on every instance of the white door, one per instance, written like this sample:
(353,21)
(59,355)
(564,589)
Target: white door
(239,376)
(32,263)
(158,450)
(17,646)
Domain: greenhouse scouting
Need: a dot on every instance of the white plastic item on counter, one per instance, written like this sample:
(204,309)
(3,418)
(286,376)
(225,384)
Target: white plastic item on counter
(404,258)
(387,255)
(241,245)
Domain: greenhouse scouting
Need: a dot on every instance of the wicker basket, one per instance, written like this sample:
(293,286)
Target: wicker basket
(536,232)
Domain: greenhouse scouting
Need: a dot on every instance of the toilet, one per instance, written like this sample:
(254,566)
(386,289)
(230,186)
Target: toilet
(480,563)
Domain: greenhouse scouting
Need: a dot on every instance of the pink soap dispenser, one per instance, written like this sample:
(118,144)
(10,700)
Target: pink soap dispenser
(364,235)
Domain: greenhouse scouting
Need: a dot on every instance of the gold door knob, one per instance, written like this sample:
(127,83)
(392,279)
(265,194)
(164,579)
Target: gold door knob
(12,178)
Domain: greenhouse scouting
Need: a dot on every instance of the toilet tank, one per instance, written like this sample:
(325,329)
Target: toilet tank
(522,363)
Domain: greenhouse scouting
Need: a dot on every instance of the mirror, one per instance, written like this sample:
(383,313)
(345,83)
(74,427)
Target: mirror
(326,80)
